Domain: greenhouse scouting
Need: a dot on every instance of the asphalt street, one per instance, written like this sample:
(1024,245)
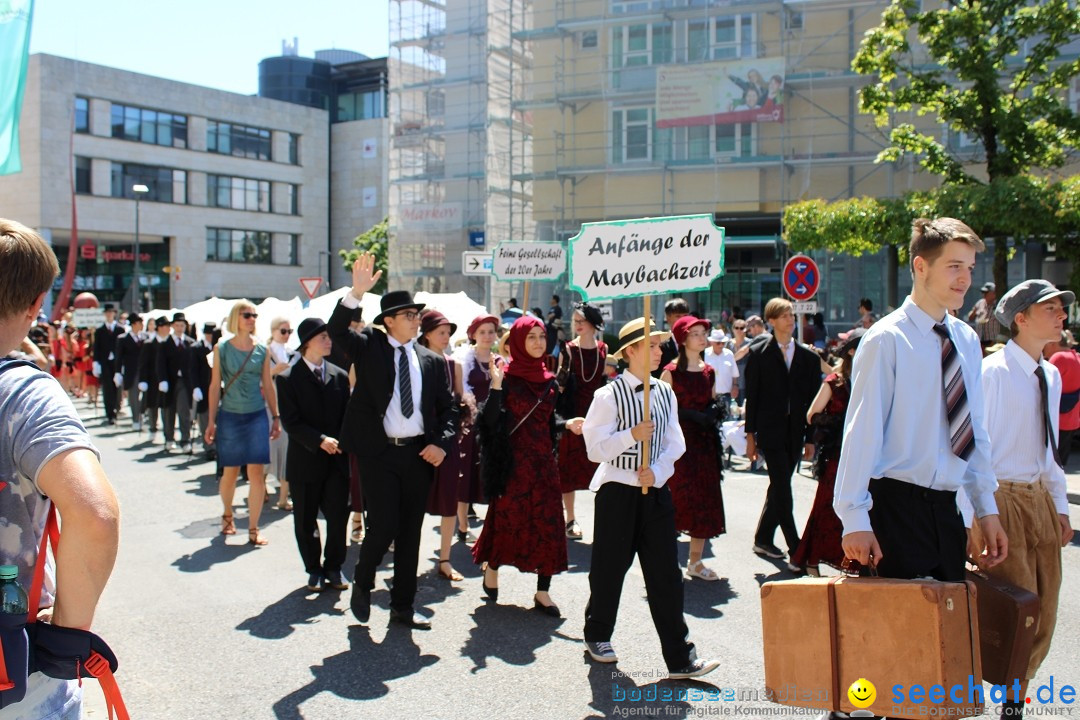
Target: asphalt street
(208,626)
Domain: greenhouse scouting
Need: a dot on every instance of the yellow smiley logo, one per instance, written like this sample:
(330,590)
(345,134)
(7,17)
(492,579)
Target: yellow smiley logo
(862,693)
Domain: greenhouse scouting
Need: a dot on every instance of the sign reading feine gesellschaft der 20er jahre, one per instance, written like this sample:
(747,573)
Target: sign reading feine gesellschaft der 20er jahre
(649,256)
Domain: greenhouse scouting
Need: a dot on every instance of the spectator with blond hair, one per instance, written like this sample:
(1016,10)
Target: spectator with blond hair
(238,419)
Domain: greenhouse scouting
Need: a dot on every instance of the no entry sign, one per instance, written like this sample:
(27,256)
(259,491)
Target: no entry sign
(801,278)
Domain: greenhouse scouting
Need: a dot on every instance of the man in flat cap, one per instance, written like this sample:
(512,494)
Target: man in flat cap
(1022,392)
(987,326)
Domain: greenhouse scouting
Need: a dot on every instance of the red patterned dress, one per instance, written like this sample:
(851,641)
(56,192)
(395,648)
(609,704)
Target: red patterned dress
(821,540)
(587,369)
(695,486)
(524,526)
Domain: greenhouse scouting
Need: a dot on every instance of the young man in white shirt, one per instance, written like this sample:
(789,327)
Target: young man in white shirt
(914,432)
(1022,392)
(634,513)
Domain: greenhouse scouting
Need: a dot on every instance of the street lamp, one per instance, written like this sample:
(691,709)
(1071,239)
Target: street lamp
(139,191)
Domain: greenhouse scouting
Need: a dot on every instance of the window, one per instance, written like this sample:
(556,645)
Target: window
(238,193)
(637,45)
(294,250)
(155,127)
(82,115)
(240,246)
(237,140)
(588,39)
(294,149)
(292,199)
(82,175)
(364,105)
(721,38)
(165,184)
(631,134)
(704,143)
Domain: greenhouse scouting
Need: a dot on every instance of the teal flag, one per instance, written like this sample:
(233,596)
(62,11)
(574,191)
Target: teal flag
(15,16)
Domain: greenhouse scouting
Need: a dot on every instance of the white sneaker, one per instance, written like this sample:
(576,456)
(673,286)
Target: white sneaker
(136,426)
(187,448)
(171,447)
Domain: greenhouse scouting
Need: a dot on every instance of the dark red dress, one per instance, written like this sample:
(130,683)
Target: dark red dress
(587,368)
(470,487)
(821,540)
(524,526)
(443,496)
(695,486)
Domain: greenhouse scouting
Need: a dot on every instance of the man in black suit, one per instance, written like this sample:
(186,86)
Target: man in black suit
(200,353)
(782,378)
(312,396)
(105,338)
(400,422)
(176,381)
(128,348)
(673,310)
(148,379)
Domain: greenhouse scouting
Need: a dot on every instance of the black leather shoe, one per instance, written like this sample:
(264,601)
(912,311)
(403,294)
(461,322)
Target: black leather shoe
(335,580)
(410,619)
(360,603)
(549,610)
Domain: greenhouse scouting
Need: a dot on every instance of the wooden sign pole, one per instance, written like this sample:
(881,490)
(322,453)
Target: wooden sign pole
(525,298)
(647,362)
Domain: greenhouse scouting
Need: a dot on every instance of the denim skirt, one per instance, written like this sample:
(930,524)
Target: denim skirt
(243,438)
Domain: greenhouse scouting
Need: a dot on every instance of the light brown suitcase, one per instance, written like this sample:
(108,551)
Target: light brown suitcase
(821,635)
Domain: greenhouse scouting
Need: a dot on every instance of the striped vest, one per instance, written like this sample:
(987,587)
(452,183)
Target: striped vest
(629,402)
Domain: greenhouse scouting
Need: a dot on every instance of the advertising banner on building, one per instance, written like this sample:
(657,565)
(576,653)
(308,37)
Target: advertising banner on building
(722,93)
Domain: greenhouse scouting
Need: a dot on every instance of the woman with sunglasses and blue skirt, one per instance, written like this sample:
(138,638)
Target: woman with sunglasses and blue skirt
(241,391)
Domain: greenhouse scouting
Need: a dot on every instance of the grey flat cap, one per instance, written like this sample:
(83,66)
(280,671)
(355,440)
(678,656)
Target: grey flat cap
(1026,294)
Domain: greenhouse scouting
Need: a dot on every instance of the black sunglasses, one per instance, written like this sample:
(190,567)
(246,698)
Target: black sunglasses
(285,331)
(249,315)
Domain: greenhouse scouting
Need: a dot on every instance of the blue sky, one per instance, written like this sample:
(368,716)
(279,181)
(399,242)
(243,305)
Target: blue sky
(215,43)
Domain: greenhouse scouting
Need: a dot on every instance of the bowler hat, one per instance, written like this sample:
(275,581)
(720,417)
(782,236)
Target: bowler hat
(394,302)
(134,318)
(1026,294)
(109,307)
(179,317)
(633,332)
(209,327)
(309,328)
(161,321)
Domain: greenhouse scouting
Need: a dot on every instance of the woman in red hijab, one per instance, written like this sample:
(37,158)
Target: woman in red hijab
(523,526)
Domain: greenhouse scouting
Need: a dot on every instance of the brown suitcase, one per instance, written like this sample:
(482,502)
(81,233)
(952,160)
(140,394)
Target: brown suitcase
(1008,620)
(821,635)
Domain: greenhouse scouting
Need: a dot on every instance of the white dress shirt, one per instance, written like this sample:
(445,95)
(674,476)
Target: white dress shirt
(321,367)
(604,442)
(727,370)
(789,351)
(395,424)
(1014,420)
(896,425)
(279,353)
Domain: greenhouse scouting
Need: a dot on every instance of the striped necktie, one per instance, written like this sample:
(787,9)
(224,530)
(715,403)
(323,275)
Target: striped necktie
(405,383)
(961,433)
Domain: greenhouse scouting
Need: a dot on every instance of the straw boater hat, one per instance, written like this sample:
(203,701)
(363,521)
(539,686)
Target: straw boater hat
(634,331)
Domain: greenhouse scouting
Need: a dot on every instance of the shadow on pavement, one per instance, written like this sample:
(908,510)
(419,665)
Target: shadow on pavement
(615,691)
(218,551)
(300,607)
(362,671)
(701,598)
(509,633)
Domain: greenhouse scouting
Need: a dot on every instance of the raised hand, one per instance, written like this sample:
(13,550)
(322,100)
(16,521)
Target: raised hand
(364,275)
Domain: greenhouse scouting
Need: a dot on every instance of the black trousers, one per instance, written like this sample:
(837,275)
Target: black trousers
(628,523)
(920,531)
(395,496)
(109,395)
(779,509)
(330,494)
(179,408)
(1065,438)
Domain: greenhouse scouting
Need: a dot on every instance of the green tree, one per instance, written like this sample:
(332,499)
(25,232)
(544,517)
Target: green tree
(991,69)
(377,241)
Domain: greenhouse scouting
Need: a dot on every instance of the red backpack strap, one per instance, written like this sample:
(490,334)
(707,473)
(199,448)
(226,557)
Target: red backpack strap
(51,534)
(98,667)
